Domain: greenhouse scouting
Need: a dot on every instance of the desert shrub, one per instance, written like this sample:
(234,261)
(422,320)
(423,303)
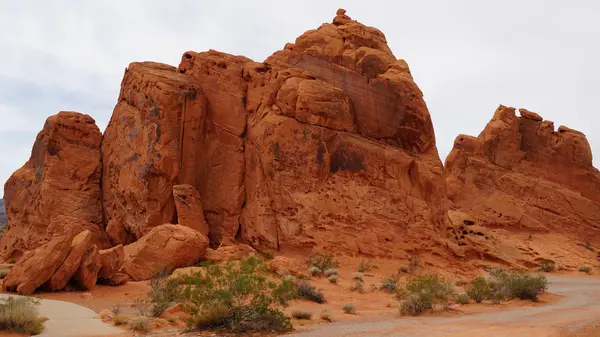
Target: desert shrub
(424,291)
(3,273)
(323,261)
(460,282)
(404,268)
(330,271)
(478,289)
(120,320)
(585,269)
(302,276)
(244,295)
(164,293)
(141,304)
(357,276)
(413,264)
(588,245)
(365,265)
(462,298)
(389,285)
(332,279)
(12,261)
(300,314)
(513,284)
(309,292)
(358,286)
(140,323)
(349,308)
(268,255)
(326,316)
(116,310)
(20,314)
(314,271)
(547,265)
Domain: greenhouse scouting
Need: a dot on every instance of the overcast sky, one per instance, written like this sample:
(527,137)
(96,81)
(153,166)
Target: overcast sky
(466,56)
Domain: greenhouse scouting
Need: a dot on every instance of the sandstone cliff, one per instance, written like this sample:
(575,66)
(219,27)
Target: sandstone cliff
(523,177)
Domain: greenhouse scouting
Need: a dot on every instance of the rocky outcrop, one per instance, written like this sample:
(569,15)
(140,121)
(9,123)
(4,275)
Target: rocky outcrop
(162,250)
(62,177)
(69,266)
(524,176)
(36,266)
(189,208)
(87,273)
(111,261)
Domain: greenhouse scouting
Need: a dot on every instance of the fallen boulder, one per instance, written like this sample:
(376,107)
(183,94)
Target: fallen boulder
(87,273)
(162,250)
(110,261)
(69,267)
(189,208)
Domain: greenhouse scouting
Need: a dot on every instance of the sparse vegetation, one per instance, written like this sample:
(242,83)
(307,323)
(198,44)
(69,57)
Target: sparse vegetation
(141,324)
(389,285)
(120,320)
(238,297)
(3,273)
(404,268)
(326,316)
(330,271)
(422,292)
(309,292)
(332,279)
(478,289)
(506,285)
(300,314)
(588,245)
(460,282)
(366,265)
(314,271)
(414,264)
(164,293)
(349,308)
(12,261)
(547,266)
(20,314)
(585,269)
(268,255)
(357,276)
(323,261)
(358,286)
(462,298)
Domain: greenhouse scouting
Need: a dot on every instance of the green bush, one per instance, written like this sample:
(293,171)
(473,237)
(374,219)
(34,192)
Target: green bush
(314,271)
(164,293)
(332,279)
(478,289)
(462,298)
(309,292)
(120,320)
(323,261)
(330,271)
(349,308)
(389,285)
(141,324)
(244,295)
(460,282)
(3,273)
(357,276)
(422,292)
(20,314)
(365,265)
(509,285)
(585,269)
(547,265)
(300,314)
(358,286)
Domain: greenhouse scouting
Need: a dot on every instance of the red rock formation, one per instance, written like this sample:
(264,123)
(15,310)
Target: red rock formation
(110,261)
(68,268)
(162,250)
(61,178)
(87,273)
(522,175)
(189,208)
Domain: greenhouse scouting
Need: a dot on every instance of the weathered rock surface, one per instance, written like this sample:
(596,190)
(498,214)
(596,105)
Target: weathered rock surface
(87,273)
(118,234)
(162,250)
(227,253)
(69,266)
(36,266)
(523,176)
(62,177)
(111,261)
(118,279)
(3,217)
(189,208)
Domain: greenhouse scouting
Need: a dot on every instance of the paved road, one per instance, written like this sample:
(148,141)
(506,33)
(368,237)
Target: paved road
(67,319)
(580,305)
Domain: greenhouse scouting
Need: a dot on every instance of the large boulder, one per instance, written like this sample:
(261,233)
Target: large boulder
(36,266)
(62,177)
(521,175)
(111,261)
(87,273)
(162,250)
(68,268)
(189,208)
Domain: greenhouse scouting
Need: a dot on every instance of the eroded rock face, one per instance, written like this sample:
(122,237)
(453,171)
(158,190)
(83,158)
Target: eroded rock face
(61,178)
(522,175)
(87,273)
(162,250)
(111,261)
(36,266)
(189,208)
(340,142)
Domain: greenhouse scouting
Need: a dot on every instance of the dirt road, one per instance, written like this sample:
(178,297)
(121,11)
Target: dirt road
(579,305)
